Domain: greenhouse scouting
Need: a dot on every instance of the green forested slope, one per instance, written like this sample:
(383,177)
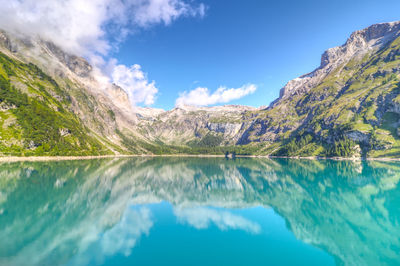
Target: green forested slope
(34,115)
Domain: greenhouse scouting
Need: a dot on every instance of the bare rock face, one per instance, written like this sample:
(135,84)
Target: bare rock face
(359,43)
(76,64)
(147,113)
(225,128)
(64,132)
(45,54)
(119,96)
(359,136)
(5,41)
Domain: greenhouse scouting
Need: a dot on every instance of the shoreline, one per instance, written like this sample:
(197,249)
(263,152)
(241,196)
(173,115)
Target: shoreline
(72,158)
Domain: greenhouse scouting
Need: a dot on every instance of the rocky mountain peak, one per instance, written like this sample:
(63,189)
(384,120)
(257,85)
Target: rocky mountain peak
(361,41)
(37,49)
(357,44)
(376,31)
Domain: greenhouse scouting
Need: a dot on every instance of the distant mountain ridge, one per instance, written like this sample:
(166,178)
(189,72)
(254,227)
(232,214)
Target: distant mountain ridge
(349,106)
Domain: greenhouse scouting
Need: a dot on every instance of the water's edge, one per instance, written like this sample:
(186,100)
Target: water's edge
(67,158)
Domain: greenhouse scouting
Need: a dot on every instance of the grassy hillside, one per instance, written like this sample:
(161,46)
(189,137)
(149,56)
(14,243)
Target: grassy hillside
(354,110)
(34,115)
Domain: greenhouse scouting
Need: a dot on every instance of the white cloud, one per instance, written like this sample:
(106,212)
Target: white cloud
(85,27)
(92,29)
(202,218)
(163,11)
(75,25)
(95,244)
(135,83)
(124,236)
(203,97)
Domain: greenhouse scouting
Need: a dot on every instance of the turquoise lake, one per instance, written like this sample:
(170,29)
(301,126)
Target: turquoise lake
(200,211)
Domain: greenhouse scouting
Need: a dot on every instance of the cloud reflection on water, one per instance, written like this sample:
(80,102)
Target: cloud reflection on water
(203,218)
(119,239)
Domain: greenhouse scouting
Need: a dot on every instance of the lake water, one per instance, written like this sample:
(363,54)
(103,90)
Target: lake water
(199,211)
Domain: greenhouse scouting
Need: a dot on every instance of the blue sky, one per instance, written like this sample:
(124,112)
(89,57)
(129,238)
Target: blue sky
(265,43)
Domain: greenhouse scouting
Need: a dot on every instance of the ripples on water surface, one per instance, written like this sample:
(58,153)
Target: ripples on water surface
(199,211)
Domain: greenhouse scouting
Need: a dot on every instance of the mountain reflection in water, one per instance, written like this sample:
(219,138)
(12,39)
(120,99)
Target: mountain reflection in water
(83,212)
